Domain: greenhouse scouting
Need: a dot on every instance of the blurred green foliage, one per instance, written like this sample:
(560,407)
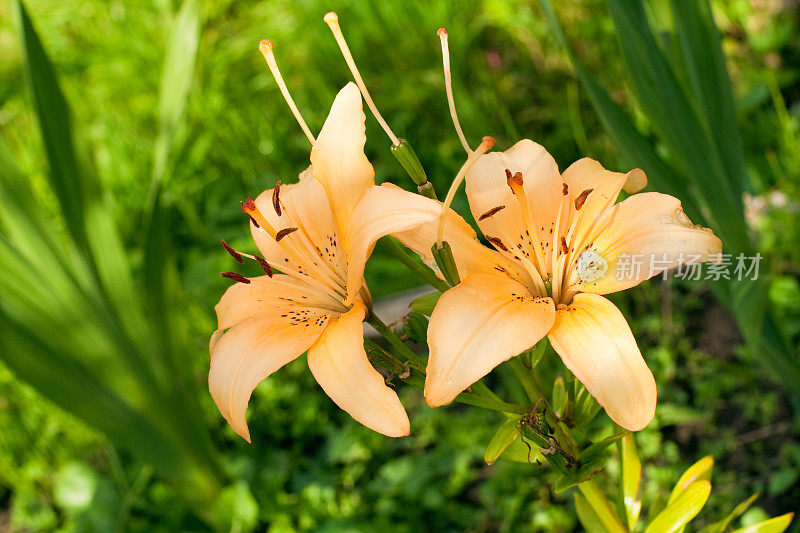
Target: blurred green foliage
(310,467)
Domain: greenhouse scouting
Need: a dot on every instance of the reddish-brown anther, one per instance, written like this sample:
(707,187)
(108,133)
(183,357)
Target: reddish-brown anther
(283,233)
(581,199)
(235,276)
(276,201)
(491,212)
(236,255)
(264,265)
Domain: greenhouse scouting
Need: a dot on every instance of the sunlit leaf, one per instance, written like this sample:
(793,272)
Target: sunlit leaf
(681,510)
(700,471)
(773,525)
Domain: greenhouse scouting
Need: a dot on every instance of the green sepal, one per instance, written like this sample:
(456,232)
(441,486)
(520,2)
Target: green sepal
(446,262)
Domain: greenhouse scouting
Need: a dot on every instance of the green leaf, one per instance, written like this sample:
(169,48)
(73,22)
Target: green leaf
(586,407)
(722,525)
(700,471)
(779,524)
(704,63)
(559,396)
(55,123)
(424,304)
(588,518)
(586,472)
(682,509)
(597,448)
(502,439)
(631,476)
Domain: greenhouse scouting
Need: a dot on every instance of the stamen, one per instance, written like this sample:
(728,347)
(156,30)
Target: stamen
(264,265)
(283,233)
(276,201)
(332,20)
(236,255)
(486,143)
(235,276)
(491,212)
(265,47)
(249,207)
(581,199)
(497,242)
(564,189)
(448,85)
(516,183)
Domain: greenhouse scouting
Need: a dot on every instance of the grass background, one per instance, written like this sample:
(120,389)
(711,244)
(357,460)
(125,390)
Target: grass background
(311,467)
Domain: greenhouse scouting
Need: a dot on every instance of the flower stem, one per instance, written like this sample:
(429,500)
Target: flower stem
(398,250)
(601,507)
(526,378)
(397,343)
(480,396)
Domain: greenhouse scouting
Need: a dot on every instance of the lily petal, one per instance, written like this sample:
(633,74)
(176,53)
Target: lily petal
(340,365)
(596,344)
(252,350)
(315,242)
(475,326)
(487,189)
(413,219)
(269,298)
(589,175)
(643,236)
(338,156)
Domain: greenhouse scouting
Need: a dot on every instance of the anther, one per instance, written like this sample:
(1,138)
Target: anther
(265,47)
(581,199)
(283,233)
(564,247)
(564,189)
(236,255)
(276,201)
(332,20)
(497,242)
(235,276)
(491,212)
(264,265)
(448,85)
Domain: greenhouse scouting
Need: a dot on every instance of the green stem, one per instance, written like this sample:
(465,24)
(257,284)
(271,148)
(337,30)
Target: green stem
(398,344)
(526,378)
(481,395)
(398,250)
(601,507)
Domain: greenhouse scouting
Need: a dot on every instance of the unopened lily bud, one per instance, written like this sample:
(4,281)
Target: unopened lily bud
(443,255)
(405,154)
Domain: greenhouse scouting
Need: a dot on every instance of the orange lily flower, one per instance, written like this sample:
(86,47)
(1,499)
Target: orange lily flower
(265,322)
(560,242)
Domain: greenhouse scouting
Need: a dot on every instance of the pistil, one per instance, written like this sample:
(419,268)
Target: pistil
(448,84)
(265,47)
(332,20)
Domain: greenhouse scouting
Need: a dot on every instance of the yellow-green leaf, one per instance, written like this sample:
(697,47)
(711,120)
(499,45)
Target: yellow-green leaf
(631,475)
(588,518)
(682,510)
(699,471)
(773,525)
(502,439)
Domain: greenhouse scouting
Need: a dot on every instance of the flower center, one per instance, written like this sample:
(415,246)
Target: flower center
(591,266)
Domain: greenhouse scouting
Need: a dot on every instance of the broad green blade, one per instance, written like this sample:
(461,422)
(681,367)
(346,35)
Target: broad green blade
(704,63)
(675,117)
(55,122)
(682,510)
(634,147)
(502,439)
